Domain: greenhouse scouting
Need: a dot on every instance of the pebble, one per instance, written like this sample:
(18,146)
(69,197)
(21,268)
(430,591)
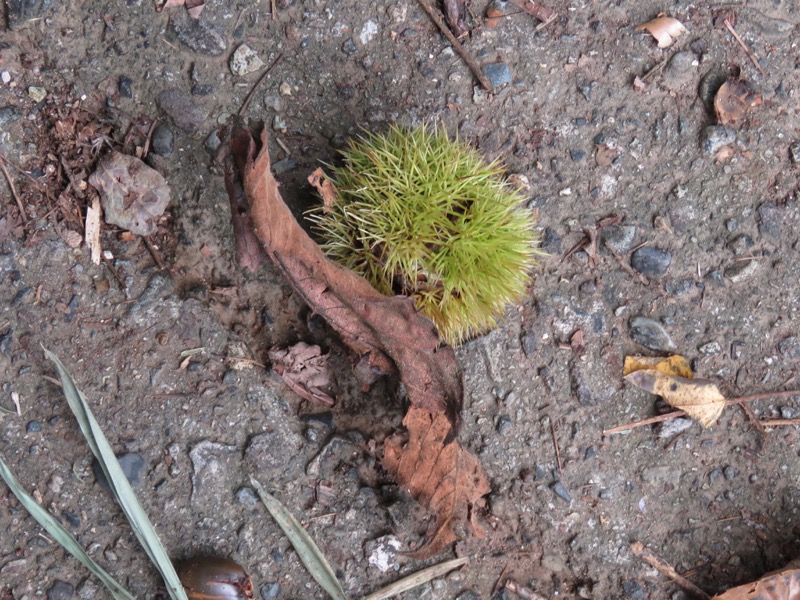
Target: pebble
(794,153)
(787,412)
(270,591)
(741,244)
(652,262)
(715,137)
(284,89)
(5,77)
(178,105)
(125,87)
(368,31)
(33,427)
(560,491)
(741,270)
(162,141)
(278,123)
(88,589)
(60,590)
(790,347)
(37,93)
(679,287)
(213,473)
(9,114)
(730,473)
(198,34)
(468,595)
(577,155)
(246,496)
(498,73)
(673,427)
(245,60)
(132,465)
(769,216)
(679,71)
(72,519)
(551,241)
(349,46)
(202,90)
(651,334)
(212,142)
(633,589)
(504,425)
(619,237)
(529,343)
(710,348)
(287,164)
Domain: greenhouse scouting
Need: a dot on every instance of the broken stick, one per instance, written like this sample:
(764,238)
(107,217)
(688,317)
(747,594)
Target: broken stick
(663,567)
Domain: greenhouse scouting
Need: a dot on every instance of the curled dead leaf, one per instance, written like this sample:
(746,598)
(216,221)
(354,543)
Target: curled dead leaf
(698,398)
(734,99)
(305,370)
(664,29)
(439,473)
(325,189)
(784,585)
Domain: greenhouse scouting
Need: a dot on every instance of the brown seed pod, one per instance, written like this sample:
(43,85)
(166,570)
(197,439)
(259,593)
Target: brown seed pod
(214,578)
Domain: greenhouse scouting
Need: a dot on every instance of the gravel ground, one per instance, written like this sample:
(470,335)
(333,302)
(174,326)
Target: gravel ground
(702,259)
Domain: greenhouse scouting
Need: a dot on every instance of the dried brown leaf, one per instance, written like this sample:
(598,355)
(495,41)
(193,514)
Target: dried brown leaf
(388,330)
(249,253)
(305,370)
(698,398)
(325,189)
(193,7)
(673,365)
(439,473)
(784,585)
(665,29)
(734,99)
(456,12)
(133,194)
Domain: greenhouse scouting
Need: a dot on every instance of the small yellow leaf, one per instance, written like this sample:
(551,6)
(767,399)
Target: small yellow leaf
(665,29)
(698,398)
(674,365)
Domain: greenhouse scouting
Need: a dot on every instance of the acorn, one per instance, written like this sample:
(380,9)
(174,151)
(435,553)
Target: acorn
(422,215)
(214,578)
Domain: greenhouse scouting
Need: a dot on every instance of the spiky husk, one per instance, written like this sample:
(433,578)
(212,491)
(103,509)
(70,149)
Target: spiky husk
(422,215)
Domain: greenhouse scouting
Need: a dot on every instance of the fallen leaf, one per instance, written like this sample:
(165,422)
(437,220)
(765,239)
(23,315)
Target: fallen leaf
(784,585)
(193,7)
(734,99)
(578,342)
(698,398)
(665,29)
(673,365)
(133,194)
(389,330)
(439,473)
(325,189)
(305,370)
(92,230)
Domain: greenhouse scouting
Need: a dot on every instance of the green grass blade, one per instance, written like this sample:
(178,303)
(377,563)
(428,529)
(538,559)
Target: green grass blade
(417,579)
(61,535)
(138,519)
(310,555)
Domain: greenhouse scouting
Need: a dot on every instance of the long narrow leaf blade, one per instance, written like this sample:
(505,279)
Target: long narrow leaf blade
(138,519)
(417,579)
(61,535)
(310,555)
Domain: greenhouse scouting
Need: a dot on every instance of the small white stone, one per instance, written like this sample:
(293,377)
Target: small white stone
(368,31)
(5,76)
(245,60)
(285,89)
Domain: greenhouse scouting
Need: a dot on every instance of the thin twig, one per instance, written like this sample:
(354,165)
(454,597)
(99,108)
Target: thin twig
(499,581)
(14,191)
(436,16)
(150,131)
(751,55)
(555,445)
(663,567)
(779,422)
(257,83)
(643,422)
(154,253)
(273,7)
(753,417)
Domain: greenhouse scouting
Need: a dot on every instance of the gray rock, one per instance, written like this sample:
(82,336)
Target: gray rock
(125,87)
(9,114)
(504,425)
(619,237)
(179,105)
(132,465)
(162,142)
(741,244)
(633,589)
(212,142)
(730,473)
(787,412)
(498,73)
(245,60)
(214,476)
(673,427)
(560,491)
(287,164)
(88,589)
(741,270)
(21,11)
(651,334)
(652,262)
(246,496)
(679,287)
(790,347)
(197,34)
(680,70)
(349,46)
(267,453)
(270,591)
(794,153)
(715,137)
(770,221)
(60,590)
(551,241)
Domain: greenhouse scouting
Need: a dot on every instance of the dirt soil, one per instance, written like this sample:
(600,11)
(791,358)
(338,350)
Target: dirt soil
(705,252)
